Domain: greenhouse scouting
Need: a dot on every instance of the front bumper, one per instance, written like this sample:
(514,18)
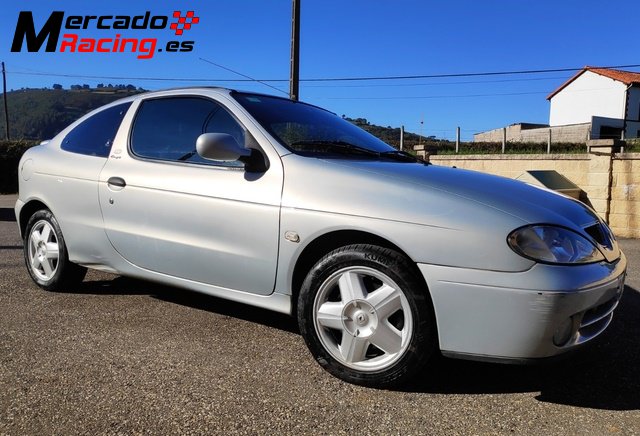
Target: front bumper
(490,315)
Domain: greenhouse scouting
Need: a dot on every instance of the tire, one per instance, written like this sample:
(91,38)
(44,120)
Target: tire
(45,254)
(366,316)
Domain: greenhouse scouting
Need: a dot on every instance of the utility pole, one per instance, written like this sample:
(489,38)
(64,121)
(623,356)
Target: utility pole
(294,80)
(4,93)
(504,139)
(401,138)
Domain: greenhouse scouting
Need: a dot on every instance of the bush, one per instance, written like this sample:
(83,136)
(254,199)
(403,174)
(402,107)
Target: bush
(632,145)
(511,148)
(10,154)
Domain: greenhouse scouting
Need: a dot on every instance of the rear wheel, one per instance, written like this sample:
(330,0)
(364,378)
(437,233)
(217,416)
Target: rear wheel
(366,317)
(46,255)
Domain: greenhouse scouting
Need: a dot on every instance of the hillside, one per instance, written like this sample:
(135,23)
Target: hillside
(38,114)
(391,135)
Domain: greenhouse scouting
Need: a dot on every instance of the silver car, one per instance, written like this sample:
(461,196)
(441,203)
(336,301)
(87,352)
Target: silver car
(384,259)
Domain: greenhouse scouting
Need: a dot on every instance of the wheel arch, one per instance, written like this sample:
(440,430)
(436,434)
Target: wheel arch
(30,207)
(330,241)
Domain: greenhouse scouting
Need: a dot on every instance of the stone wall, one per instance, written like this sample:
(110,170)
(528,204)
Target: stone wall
(625,195)
(611,181)
(573,133)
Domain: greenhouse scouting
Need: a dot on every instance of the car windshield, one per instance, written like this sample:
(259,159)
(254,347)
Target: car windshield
(311,131)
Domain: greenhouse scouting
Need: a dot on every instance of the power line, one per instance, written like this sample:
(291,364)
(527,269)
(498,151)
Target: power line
(439,76)
(243,75)
(436,96)
(324,79)
(418,97)
(466,82)
(159,79)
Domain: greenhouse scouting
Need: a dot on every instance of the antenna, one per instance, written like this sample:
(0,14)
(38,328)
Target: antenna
(243,75)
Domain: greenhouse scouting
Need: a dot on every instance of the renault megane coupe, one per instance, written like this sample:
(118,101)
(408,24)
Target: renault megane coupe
(383,259)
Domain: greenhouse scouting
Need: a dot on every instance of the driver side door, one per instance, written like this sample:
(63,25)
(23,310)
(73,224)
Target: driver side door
(168,210)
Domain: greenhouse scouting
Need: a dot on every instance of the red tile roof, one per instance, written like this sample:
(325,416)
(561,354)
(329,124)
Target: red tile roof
(626,77)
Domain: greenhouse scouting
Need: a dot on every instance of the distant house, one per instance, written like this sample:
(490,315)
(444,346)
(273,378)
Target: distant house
(595,103)
(608,99)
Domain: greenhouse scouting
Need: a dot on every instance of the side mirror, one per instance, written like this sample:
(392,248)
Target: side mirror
(220,147)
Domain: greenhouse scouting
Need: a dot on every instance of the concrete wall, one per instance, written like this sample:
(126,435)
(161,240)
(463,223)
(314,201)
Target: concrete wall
(496,135)
(625,195)
(572,133)
(515,133)
(589,95)
(618,202)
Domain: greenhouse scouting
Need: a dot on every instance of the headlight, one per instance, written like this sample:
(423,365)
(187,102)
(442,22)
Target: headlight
(552,244)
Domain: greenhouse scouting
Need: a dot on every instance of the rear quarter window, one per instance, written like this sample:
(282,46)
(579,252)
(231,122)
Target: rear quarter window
(94,136)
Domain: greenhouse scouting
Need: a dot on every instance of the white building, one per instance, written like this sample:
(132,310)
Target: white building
(607,99)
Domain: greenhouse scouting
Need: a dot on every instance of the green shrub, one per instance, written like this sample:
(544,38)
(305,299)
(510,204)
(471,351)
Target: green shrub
(511,148)
(632,146)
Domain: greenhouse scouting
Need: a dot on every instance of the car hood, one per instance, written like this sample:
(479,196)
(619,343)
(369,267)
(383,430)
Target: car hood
(454,204)
(531,204)
(393,190)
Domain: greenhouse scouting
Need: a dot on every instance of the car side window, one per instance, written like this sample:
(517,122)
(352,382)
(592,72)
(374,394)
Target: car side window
(167,129)
(94,136)
(222,122)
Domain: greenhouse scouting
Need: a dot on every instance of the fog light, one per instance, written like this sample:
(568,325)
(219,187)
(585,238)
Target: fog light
(564,332)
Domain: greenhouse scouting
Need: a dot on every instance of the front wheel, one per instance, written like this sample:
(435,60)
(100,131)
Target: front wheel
(45,254)
(366,317)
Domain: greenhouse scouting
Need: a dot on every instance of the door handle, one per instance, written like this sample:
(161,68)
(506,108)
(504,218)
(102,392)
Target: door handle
(117,181)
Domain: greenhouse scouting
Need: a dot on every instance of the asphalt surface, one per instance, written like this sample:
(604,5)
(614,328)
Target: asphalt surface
(121,356)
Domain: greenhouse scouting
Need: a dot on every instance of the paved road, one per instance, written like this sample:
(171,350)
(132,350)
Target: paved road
(120,356)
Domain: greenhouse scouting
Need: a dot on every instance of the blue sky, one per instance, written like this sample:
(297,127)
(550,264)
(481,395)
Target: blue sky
(357,38)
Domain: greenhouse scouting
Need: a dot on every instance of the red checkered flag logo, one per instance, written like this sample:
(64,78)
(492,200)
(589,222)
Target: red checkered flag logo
(184,23)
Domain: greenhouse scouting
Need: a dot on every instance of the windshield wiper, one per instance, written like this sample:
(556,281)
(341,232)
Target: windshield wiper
(342,146)
(338,146)
(188,155)
(401,156)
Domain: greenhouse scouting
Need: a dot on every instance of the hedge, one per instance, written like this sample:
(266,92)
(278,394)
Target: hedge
(10,154)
